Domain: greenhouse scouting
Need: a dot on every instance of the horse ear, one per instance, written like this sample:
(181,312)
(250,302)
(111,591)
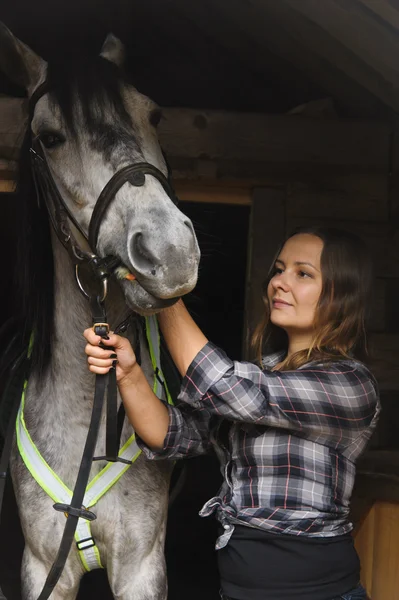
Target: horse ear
(113,50)
(19,63)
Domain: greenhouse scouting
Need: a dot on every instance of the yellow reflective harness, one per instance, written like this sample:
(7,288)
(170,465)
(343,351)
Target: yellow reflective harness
(107,477)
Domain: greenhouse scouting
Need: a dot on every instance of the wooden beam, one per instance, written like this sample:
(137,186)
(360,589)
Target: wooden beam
(274,139)
(270,141)
(383,10)
(195,192)
(13,117)
(273,29)
(348,36)
(210,20)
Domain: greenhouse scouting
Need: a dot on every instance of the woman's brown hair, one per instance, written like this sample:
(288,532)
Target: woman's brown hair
(341,312)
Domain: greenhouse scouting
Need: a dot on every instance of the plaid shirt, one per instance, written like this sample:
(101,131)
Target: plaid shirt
(293,440)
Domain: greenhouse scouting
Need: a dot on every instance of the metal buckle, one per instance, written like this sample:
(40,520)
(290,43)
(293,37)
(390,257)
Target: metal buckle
(101,329)
(86,547)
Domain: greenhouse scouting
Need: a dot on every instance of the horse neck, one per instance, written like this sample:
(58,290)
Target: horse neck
(58,407)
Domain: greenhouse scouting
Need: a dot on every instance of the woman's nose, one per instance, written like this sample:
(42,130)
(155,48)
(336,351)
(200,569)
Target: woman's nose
(280,282)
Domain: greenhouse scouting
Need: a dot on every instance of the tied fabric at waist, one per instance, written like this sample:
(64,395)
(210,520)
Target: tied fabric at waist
(217,505)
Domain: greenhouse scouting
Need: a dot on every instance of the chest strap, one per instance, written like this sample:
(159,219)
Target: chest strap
(106,478)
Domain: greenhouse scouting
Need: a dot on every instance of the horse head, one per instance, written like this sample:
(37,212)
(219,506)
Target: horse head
(90,123)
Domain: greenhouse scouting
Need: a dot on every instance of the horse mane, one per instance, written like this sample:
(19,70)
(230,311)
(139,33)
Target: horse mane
(96,84)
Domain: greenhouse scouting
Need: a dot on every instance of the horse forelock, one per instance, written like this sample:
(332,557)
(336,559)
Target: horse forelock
(94,85)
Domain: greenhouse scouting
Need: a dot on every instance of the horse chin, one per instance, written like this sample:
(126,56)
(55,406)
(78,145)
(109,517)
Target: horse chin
(141,301)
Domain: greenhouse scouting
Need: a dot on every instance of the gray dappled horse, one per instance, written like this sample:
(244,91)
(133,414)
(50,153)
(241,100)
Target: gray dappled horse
(90,124)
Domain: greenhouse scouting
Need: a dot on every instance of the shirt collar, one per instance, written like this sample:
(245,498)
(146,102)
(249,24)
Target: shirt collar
(271,360)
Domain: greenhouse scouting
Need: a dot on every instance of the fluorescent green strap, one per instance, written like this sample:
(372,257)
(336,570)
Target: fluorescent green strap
(154,344)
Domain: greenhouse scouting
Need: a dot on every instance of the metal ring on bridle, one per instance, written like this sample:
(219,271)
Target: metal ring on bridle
(104,281)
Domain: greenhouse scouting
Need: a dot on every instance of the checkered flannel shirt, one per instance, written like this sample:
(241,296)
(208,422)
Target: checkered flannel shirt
(294,439)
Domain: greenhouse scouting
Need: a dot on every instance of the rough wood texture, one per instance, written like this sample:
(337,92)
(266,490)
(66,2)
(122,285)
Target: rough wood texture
(328,28)
(359,197)
(194,192)
(381,238)
(378,319)
(385,360)
(13,117)
(223,136)
(377,545)
(364,543)
(270,26)
(274,139)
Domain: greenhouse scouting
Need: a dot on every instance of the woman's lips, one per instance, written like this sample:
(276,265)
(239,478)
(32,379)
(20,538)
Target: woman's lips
(277,303)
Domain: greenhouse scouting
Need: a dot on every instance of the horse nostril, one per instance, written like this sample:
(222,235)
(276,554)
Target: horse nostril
(142,258)
(189,224)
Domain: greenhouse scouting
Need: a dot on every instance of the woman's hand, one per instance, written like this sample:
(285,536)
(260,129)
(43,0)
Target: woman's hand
(147,414)
(101,361)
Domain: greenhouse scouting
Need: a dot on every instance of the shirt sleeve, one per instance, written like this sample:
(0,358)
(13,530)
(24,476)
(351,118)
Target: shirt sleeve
(331,404)
(188,434)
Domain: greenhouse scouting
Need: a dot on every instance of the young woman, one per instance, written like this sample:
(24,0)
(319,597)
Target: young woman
(297,421)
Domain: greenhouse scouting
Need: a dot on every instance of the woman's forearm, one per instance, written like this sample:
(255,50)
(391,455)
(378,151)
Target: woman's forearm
(147,414)
(182,335)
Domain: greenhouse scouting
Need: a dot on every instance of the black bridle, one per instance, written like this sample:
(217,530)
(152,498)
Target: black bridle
(101,269)
(59,213)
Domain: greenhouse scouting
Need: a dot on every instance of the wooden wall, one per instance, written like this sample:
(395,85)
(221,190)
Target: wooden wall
(377,543)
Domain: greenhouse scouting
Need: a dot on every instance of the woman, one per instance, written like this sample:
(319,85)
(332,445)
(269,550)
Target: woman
(296,422)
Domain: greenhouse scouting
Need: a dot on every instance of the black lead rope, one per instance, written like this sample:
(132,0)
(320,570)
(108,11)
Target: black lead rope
(105,386)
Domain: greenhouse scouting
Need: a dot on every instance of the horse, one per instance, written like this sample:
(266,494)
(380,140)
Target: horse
(90,123)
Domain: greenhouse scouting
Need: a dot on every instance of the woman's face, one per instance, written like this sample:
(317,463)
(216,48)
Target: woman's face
(295,288)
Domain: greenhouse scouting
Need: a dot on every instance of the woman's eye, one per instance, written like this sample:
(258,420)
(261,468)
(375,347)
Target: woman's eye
(277,271)
(303,274)
(50,139)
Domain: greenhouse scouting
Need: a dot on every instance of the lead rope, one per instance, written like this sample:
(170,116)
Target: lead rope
(75,511)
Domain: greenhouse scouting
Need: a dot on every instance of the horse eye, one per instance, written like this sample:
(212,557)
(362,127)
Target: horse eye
(50,139)
(155,116)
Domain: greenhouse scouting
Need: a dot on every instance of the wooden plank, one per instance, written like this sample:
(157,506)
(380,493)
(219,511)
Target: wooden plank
(383,10)
(386,552)
(189,192)
(377,487)
(378,317)
(212,20)
(375,42)
(234,137)
(274,139)
(265,235)
(357,197)
(385,359)
(364,544)
(13,117)
(341,33)
(381,238)
(7,186)
(270,31)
